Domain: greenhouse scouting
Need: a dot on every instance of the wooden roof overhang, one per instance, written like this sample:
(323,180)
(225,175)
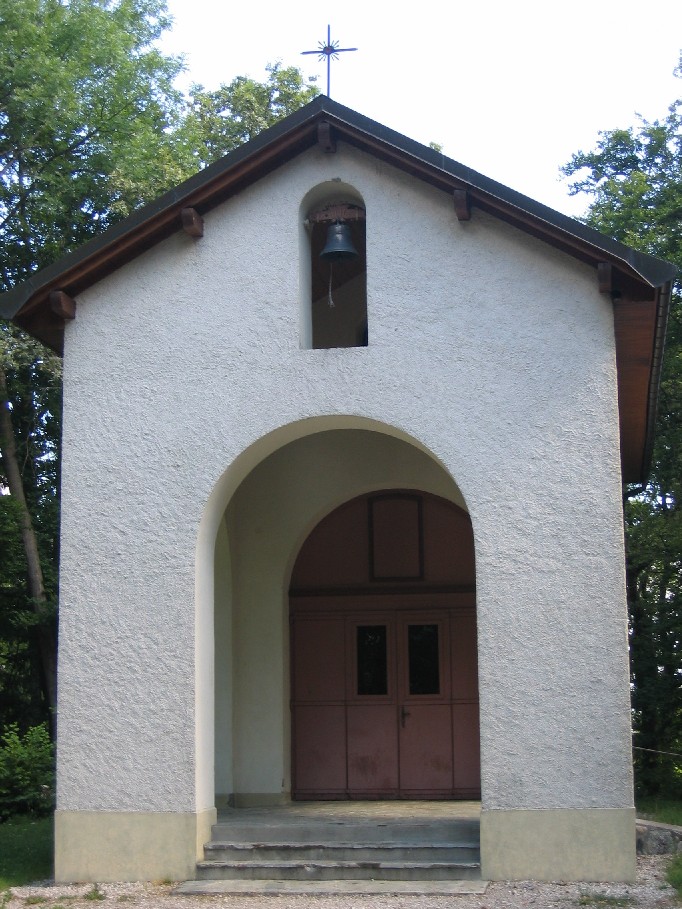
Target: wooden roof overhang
(638,284)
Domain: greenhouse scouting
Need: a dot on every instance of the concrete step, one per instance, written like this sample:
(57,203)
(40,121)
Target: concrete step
(352,830)
(341,852)
(333,870)
(240,887)
(254,851)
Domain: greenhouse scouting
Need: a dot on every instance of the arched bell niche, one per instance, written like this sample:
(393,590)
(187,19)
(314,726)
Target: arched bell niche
(334,267)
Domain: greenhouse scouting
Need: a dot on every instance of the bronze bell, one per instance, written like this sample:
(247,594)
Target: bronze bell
(339,245)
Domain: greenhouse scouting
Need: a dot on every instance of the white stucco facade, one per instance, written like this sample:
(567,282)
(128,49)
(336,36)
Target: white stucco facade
(203,441)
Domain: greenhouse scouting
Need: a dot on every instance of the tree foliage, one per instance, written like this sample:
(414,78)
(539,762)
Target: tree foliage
(78,80)
(26,771)
(91,127)
(635,179)
(31,381)
(82,91)
(217,122)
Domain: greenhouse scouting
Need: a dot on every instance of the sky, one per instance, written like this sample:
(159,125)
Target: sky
(509,89)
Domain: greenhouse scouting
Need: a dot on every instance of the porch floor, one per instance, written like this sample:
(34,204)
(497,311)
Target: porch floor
(296,813)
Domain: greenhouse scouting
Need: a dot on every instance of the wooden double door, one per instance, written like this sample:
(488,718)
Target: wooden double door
(384,698)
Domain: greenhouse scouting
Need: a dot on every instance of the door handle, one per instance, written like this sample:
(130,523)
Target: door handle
(403,716)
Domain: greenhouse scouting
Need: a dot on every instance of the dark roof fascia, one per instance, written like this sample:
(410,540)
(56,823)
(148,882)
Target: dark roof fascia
(653,271)
(204,190)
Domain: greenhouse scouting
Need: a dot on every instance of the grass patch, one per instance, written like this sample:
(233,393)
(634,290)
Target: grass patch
(94,894)
(26,846)
(665,811)
(603,900)
(674,874)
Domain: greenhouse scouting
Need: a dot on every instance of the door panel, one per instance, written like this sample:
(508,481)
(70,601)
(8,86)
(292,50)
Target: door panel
(319,659)
(467,762)
(385,704)
(372,750)
(463,649)
(426,749)
(425,715)
(320,749)
(372,733)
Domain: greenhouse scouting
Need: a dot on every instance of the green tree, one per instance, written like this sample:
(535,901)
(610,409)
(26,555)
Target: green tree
(26,771)
(83,95)
(29,516)
(79,79)
(634,177)
(217,122)
(91,127)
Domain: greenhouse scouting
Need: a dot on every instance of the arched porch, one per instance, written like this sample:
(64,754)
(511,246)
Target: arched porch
(266,519)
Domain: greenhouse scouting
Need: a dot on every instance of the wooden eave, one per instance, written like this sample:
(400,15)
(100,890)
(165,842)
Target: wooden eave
(640,327)
(641,283)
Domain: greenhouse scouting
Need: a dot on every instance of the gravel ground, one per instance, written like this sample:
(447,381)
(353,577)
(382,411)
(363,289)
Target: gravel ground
(649,891)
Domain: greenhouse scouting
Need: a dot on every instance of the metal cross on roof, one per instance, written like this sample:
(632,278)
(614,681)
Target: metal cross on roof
(329,50)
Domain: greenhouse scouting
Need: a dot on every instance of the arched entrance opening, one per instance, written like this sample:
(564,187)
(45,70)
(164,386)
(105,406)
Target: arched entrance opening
(384,686)
(265,507)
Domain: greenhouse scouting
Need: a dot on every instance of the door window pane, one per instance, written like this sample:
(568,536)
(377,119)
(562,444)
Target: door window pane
(372,659)
(422,649)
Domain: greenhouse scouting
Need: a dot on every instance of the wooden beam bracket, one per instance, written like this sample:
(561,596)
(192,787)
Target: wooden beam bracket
(606,276)
(192,222)
(325,137)
(62,304)
(462,201)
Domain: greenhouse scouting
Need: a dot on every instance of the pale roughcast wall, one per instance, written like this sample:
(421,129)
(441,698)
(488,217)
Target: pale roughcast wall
(492,350)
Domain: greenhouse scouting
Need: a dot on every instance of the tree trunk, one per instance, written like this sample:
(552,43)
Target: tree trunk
(36,589)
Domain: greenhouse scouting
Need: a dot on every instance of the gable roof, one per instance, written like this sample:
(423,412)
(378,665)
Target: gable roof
(639,283)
